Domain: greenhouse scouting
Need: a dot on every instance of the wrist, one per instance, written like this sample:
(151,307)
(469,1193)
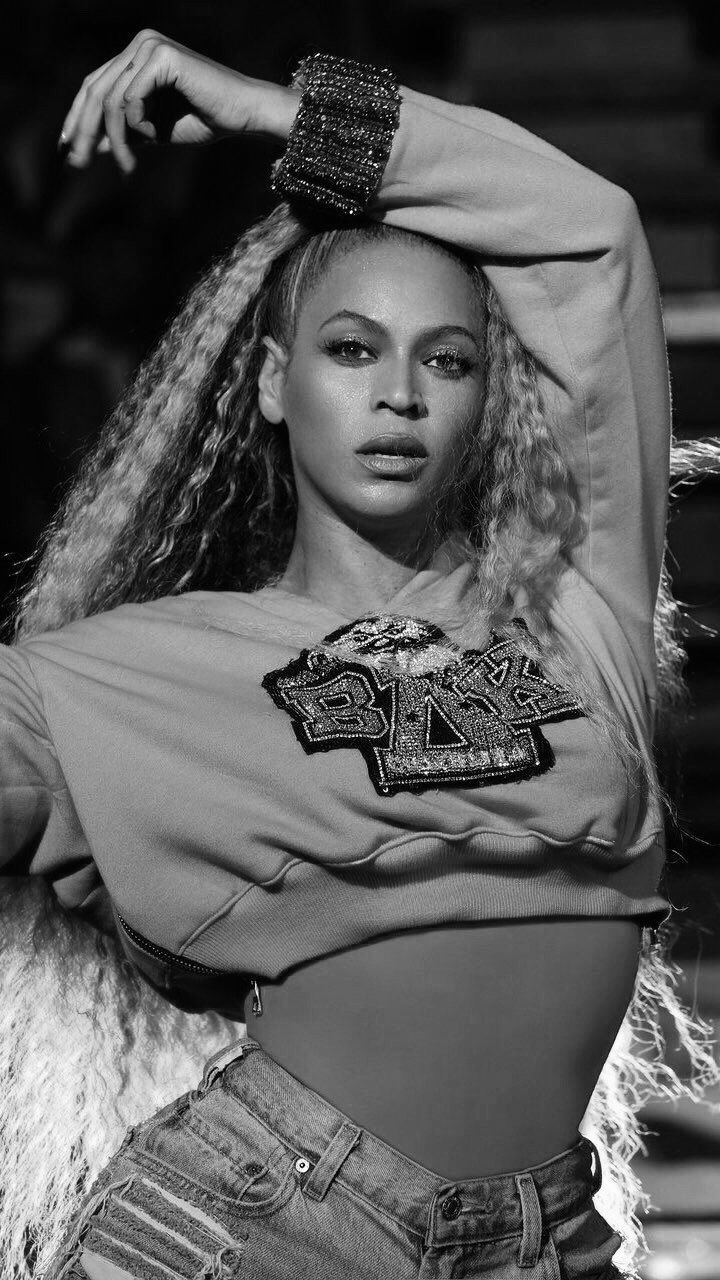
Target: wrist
(340,142)
(277,109)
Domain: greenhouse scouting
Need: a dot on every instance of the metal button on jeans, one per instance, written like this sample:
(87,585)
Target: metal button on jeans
(302,1165)
(451,1207)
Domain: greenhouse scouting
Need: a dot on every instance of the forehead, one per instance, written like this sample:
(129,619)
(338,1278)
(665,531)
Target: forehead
(401,283)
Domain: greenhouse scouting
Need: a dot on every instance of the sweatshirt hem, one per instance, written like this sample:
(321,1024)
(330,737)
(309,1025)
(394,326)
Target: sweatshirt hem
(362,902)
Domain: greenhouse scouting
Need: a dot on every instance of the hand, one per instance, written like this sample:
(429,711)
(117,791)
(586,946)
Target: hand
(201,101)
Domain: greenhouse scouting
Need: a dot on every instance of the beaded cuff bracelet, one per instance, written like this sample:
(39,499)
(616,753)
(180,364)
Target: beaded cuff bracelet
(341,137)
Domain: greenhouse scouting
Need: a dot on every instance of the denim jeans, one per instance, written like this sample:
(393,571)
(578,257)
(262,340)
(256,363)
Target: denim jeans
(255,1176)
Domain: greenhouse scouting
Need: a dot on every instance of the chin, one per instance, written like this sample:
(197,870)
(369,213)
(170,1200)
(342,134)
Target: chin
(394,506)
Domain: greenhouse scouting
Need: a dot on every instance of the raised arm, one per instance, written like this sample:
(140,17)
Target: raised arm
(567,255)
(564,249)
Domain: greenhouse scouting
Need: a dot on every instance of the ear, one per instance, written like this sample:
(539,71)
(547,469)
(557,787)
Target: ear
(271,382)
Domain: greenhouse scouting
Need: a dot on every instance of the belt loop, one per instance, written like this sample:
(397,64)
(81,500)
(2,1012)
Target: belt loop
(222,1059)
(334,1155)
(531,1244)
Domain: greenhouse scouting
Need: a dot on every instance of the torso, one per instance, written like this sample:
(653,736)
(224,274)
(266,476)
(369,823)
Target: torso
(473,1049)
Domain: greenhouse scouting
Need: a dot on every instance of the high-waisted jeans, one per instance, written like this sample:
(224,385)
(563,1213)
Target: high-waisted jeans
(255,1176)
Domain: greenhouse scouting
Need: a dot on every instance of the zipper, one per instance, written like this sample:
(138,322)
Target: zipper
(162,953)
(182,962)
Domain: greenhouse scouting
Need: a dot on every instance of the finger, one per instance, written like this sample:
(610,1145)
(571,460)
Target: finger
(90,119)
(135,116)
(82,122)
(71,119)
(78,102)
(152,59)
(103,147)
(159,69)
(115,122)
(87,127)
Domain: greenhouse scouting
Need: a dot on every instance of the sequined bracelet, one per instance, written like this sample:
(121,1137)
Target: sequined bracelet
(341,138)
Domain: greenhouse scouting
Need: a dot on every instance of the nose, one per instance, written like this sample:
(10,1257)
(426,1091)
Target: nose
(397,389)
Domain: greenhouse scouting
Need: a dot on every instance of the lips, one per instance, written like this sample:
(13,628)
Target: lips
(393,456)
(394,445)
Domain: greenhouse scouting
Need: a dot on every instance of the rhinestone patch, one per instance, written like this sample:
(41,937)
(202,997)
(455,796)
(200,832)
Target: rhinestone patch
(423,712)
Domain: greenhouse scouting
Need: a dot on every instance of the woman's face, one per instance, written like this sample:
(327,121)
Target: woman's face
(383,384)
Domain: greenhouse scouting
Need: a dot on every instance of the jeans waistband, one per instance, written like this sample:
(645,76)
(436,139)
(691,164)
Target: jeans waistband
(441,1211)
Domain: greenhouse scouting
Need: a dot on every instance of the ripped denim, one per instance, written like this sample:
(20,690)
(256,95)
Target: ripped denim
(252,1174)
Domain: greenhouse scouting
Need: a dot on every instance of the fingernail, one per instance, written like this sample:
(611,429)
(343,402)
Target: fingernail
(62,142)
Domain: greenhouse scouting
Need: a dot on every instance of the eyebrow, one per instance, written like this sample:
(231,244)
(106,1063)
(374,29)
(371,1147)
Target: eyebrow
(437,331)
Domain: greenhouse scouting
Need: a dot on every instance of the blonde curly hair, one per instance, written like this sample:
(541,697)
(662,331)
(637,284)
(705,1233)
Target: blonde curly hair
(188,487)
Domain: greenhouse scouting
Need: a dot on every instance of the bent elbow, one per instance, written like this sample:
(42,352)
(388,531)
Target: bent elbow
(625,230)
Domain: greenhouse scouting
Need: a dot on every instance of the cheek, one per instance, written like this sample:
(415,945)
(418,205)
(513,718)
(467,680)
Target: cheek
(458,421)
(320,404)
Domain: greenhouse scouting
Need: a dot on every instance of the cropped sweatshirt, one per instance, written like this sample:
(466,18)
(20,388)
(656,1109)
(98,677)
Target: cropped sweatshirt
(242,782)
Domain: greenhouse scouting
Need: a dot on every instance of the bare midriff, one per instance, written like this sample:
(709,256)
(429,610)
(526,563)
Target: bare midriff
(473,1049)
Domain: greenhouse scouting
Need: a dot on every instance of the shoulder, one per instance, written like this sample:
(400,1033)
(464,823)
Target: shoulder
(143,636)
(127,635)
(135,617)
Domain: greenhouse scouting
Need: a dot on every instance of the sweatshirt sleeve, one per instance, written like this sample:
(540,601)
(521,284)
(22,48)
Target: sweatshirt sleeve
(39,830)
(566,253)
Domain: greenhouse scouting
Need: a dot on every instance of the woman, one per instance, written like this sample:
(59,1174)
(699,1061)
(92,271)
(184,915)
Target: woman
(335,689)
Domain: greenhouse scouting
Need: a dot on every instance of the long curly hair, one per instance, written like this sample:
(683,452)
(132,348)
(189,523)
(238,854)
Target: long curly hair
(188,487)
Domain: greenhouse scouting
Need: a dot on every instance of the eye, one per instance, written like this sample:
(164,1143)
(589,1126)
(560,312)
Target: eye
(348,349)
(452,363)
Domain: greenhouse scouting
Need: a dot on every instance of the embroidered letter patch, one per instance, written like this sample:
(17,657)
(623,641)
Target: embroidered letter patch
(472,720)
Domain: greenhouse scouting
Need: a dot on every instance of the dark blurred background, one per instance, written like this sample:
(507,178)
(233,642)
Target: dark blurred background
(94,265)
